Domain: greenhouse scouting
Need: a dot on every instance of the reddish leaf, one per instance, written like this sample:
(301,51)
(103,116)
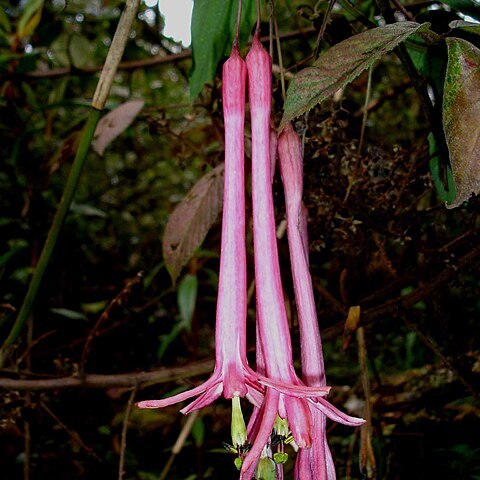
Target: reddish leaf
(191,220)
(461,117)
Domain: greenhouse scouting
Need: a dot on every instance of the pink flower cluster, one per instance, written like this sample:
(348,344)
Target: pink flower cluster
(286,408)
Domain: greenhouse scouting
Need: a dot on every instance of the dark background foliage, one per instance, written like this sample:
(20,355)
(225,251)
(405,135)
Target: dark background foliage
(380,238)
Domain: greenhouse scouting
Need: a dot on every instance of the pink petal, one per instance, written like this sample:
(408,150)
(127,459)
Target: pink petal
(299,390)
(299,421)
(335,414)
(263,435)
(204,400)
(180,397)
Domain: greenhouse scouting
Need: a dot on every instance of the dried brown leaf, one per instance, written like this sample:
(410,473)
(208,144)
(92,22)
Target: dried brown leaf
(191,220)
(114,123)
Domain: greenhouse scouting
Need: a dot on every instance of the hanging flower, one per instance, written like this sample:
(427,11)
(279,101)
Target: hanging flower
(232,376)
(286,396)
(315,463)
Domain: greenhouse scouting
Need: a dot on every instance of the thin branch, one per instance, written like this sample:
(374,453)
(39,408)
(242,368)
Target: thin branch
(437,350)
(123,442)
(279,53)
(321,33)
(72,433)
(149,62)
(259,15)
(143,379)
(115,53)
(177,448)
(367,456)
(404,11)
(118,301)
(93,381)
(239,19)
(392,307)
(365,111)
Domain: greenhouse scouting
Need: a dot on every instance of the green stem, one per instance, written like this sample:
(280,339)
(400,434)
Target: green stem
(98,103)
(52,237)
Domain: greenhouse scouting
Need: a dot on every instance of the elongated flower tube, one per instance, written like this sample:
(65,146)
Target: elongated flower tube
(284,389)
(231,375)
(315,463)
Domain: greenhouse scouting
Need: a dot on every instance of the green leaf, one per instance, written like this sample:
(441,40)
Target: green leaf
(198,431)
(81,52)
(30,18)
(341,64)
(470,27)
(461,114)
(213,31)
(445,194)
(4,21)
(186,299)
(468,7)
(5,257)
(71,314)
(87,210)
(429,60)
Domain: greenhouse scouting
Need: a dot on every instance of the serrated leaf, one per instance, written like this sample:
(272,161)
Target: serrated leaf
(341,64)
(461,114)
(191,220)
(114,123)
(213,30)
(30,18)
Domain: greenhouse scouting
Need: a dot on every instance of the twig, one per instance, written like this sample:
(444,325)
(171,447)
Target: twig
(321,32)
(405,12)
(128,65)
(177,448)
(123,442)
(365,111)
(436,349)
(239,18)
(27,449)
(259,15)
(118,301)
(367,457)
(142,379)
(279,53)
(72,433)
(392,307)
(148,62)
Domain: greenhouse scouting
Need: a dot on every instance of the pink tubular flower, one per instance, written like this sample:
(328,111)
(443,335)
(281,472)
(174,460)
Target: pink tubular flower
(231,375)
(315,463)
(284,389)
